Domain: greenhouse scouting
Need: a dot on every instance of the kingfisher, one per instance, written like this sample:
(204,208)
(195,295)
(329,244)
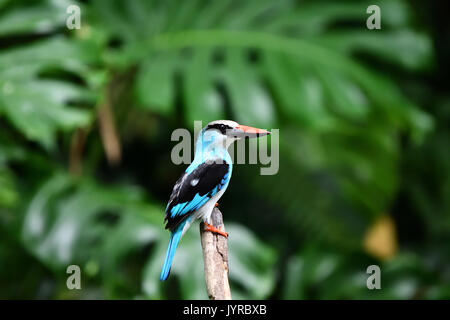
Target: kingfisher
(204,181)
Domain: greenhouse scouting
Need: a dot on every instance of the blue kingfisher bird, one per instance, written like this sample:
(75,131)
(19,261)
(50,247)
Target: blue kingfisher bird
(203,183)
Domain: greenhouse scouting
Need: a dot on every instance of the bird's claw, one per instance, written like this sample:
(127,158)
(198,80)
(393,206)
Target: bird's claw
(209,227)
(216,205)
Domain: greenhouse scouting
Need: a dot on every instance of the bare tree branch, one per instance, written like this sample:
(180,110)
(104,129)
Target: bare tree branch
(215,258)
(76,151)
(108,131)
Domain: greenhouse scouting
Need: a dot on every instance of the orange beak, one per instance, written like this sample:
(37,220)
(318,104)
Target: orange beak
(251,132)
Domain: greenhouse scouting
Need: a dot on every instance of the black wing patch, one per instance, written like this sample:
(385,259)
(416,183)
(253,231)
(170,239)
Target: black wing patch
(193,190)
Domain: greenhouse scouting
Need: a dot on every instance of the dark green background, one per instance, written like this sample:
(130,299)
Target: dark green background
(86,118)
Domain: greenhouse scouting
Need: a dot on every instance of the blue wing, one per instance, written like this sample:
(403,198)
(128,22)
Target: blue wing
(194,189)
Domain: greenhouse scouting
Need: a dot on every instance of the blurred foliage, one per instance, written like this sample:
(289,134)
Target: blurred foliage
(86,117)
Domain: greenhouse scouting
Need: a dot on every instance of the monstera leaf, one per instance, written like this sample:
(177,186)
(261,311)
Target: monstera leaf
(323,274)
(100,227)
(38,107)
(38,18)
(277,63)
(310,68)
(251,264)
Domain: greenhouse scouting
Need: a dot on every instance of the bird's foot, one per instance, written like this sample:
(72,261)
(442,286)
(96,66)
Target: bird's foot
(216,205)
(209,227)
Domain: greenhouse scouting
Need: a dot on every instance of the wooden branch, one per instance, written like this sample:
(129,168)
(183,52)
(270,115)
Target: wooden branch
(215,259)
(108,131)
(76,151)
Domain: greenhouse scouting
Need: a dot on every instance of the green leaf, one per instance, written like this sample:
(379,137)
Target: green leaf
(298,91)
(203,101)
(35,18)
(250,101)
(8,192)
(38,108)
(345,98)
(89,223)
(308,269)
(251,266)
(155,84)
(313,18)
(407,48)
(55,52)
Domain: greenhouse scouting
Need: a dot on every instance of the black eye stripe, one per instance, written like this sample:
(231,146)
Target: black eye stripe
(219,126)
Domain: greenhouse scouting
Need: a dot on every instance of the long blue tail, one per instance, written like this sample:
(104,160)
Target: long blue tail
(173,243)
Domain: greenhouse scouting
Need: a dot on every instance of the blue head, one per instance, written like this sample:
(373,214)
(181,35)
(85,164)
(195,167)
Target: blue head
(214,139)
(222,133)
